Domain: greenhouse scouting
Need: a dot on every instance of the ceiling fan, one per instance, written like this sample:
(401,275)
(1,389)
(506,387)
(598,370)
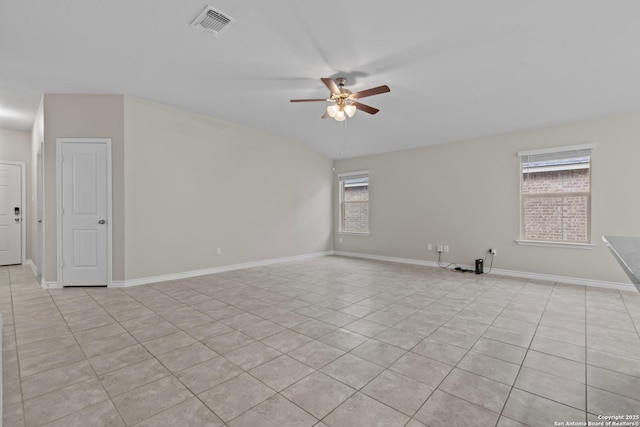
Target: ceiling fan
(343,101)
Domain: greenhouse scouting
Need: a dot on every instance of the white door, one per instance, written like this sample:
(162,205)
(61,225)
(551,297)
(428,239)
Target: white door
(10,214)
(84,238)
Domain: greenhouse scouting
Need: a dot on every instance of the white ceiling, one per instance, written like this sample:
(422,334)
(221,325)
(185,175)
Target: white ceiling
(457,69)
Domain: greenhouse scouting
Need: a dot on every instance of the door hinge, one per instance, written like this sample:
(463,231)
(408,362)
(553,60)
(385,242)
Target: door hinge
(61,158)
(61,264)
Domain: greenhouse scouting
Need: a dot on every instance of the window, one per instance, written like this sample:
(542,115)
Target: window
(354,202)
(555,195)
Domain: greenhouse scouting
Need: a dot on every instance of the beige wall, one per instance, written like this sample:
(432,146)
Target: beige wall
(466,195)
(83,116)
(37,137)
(15,146)
(194,184)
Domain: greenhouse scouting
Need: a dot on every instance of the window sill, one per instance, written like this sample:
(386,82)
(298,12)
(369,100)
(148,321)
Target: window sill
(354,233)
(567,245)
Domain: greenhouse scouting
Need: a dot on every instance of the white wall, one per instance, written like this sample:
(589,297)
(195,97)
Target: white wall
(466,195)
(37,138)
(15,146)
(82,116)
(194,184)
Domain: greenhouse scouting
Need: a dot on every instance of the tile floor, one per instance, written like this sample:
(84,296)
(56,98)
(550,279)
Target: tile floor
(325,342)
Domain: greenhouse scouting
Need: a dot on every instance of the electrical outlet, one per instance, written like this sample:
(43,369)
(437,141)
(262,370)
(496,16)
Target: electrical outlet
(429,247)
(219,251)
(446,248)
(439,248)
(492,251)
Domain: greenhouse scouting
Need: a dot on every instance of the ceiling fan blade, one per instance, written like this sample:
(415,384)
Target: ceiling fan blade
(325,115)
(333,87)
(310,100)
(365,108)
(370,92)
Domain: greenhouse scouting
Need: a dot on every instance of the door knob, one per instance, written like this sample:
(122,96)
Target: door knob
(102,221)
(17,219)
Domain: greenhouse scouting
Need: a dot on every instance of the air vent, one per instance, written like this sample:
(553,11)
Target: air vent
(213,21)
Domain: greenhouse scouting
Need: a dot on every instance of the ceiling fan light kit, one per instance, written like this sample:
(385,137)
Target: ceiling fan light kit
(344,102)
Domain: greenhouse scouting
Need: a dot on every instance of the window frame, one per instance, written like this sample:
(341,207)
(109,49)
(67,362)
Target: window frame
(566,153)
(343,176)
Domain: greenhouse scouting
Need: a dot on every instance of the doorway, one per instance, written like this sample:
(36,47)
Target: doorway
(84,212)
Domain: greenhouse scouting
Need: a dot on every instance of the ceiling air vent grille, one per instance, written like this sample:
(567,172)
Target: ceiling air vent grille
(212,21)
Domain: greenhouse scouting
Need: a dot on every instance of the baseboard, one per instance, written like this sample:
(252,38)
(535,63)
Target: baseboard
(50,285)
(32,265)
(500,272)
(214,270)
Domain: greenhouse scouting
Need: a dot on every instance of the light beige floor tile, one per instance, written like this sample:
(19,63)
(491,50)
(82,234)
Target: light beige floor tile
(423,369)
(101,414)
(362,411)
(228,342)
(119,359)
(343,339)
(168,343)
(499,350)
(252,355)
(615,382)
(402,339)
(519,338)
(209,374)
(51,406)
(558,366)
(316,354)
(552,387)
(133,376)
(50,360)
(109,344)
(281,372)
(614,362)
(455,337)
(440,351)
(208,330)
(239,394)
(318,394)
(143,402)
(378,352)
(190,413)
(558,348)
(602,402)
(476,389)
(490,367)
(55,379)
(399,392)
(186,357)
(262,329)
(274,412)
(537,411)
(341,291)
(352,370)
(445,410)
(287,340)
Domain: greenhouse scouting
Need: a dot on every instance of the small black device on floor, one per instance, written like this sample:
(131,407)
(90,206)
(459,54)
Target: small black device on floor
(479,265)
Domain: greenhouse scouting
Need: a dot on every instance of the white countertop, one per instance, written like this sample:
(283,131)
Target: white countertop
(627,252)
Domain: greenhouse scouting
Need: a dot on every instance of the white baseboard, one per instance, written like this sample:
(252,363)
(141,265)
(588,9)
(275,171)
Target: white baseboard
(50,285)
(500,272)
(32,265)
(214,270)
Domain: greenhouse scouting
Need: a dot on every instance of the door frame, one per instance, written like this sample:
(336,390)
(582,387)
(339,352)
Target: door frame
(23,202)
(59,144)
(39,213)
